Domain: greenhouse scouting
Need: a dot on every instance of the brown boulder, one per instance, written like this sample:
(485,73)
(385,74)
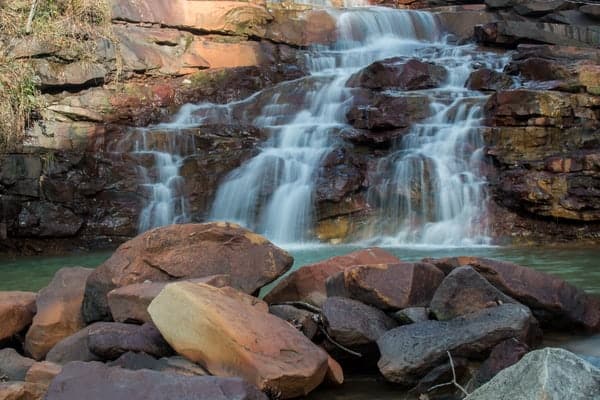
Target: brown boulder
(381,111)
(486,79)
(58,311)
(552,300)
(42,373)
(398,73)
(464,291)
(16,312)
(110,340)
(230,337)
(308,283)
(186,251)
(387,286)
(130,303)
(21,391)
(96,381)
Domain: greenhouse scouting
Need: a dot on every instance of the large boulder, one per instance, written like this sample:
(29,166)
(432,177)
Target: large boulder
(14,366)
(130,303)
(184,252)
(544,374)
(410,351)
(387,286)
(73,348)
(16,312)
(58,311)
(552,300)
(464,291)
(232,334)
(308,283)
(110,340)
(97,381)
(398,73)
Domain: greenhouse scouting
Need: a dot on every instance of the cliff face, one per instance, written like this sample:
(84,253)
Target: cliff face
(74,181)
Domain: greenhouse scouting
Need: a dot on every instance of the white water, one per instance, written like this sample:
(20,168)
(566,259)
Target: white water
(273,193)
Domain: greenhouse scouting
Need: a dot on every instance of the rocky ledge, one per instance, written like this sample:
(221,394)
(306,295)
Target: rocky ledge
(190,323)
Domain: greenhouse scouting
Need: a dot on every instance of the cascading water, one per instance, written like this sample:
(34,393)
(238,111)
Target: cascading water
(427,190)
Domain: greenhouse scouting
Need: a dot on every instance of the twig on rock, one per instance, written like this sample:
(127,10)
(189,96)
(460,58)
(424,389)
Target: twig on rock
(453,381)
(341,347)
(300,304)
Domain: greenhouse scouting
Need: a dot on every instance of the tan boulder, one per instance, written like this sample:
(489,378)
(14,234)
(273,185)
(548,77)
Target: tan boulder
(186,251)
(42,373)
(387,286)
(335,373)
(308,283)
(230,337)
(21,391)
(16,312)
(130,303)
(58,311)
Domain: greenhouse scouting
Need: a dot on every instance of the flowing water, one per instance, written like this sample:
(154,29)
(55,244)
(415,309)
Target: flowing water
(427,191)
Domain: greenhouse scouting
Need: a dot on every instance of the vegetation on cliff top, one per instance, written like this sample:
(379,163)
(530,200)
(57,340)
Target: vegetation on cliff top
(64,28)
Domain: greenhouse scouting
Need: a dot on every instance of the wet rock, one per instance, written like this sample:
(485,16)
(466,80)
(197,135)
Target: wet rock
(96,381)
(464,291)
(503,355)
(308,283)
(301,319)
(411,315)
(226,334)
(549,373)
(382,111)
(45,219)
(42,373)
(73,348)
(109,340)
(352,323)
(130,303)
(398,73)
(249,259)
(387,286)
(552,300)
(13,366)
(21,391)
(58,311)
(16,312)
(485,79)
(411,351)
(176,364)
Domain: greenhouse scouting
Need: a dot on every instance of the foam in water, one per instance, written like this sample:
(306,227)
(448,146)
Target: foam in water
(427,191)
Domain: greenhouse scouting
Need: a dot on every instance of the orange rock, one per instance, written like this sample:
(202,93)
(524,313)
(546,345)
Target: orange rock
(42,373)
(58,311)
(335,373)
(308,283)
(16,312)
(21,391)
(231,337)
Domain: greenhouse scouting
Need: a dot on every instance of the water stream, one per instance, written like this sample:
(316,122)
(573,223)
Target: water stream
(427,191)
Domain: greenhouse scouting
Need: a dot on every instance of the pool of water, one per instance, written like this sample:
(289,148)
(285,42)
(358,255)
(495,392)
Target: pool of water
(578,265)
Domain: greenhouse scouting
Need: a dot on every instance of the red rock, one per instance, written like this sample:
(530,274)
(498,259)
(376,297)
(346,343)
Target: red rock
(488,80)
(58,311)
(335,373)
(130,303)
(16,312)
(399,73)
(185,252)
(230,337)
(308,283)
(553,301)
(387,286)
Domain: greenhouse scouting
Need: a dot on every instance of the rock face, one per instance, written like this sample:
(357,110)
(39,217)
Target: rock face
(96,381)
(58,311)
(109,340)
(551,299)
(387,286)
(308,283)
(230,337)
(130,303)
(16,312)
(544,374)
(171,253)
(464,291)
(398,73)
(410,351)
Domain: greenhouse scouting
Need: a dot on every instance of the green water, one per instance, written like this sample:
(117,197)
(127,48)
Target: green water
(579,266)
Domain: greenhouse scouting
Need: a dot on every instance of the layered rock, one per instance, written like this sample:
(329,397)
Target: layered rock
(16,312)
(227,334)
(95,381)
(58,311)
(171,253)
(308,282)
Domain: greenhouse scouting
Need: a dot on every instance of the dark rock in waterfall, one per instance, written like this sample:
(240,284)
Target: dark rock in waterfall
(380,111)
(399,73)
(485,79)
